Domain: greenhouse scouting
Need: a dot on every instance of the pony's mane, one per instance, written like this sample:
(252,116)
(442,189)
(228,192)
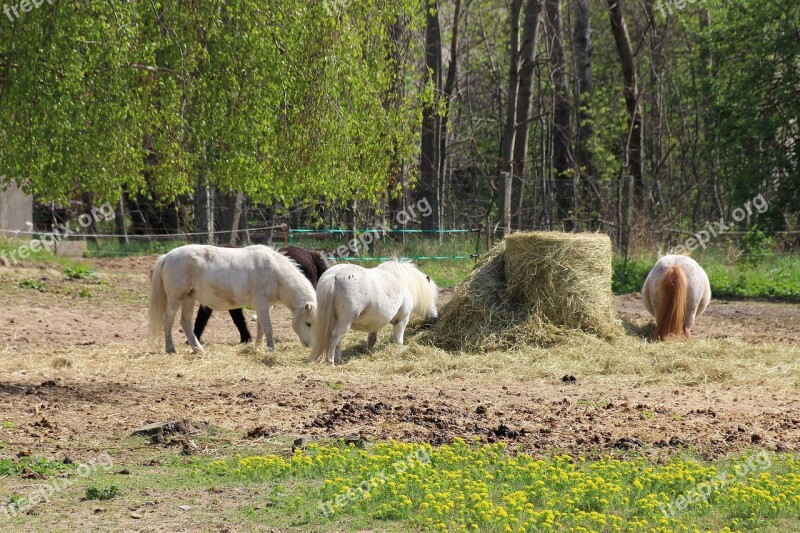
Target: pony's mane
(291,272)
(416,281)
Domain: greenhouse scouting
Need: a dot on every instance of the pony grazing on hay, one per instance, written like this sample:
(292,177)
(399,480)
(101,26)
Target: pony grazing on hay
(311,264)
(350,296)
(676,292)
(228,278)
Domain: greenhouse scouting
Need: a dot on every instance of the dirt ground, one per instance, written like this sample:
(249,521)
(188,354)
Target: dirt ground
(77,375)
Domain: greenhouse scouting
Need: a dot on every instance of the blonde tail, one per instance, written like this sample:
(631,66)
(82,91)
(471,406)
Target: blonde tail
(158,301)
(671,314)
(326,292)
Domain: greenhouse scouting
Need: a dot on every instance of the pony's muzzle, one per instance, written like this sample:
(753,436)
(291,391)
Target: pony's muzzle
(431,320)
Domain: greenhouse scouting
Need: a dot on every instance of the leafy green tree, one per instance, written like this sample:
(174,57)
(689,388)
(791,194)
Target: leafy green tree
(279,99)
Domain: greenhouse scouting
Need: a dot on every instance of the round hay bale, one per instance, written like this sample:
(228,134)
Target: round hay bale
(532,288)
(563,277)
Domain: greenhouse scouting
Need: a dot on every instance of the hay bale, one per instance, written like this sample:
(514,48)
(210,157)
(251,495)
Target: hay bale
(564,277)
(533,288)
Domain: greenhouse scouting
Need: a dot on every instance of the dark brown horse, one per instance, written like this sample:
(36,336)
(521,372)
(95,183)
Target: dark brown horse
(312,264)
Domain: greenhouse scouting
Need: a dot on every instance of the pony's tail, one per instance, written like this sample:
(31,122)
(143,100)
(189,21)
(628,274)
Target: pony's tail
(158,300)
(326,292)
(671,312)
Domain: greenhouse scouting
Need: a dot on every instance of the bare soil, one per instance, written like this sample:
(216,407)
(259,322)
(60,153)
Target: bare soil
(76,375)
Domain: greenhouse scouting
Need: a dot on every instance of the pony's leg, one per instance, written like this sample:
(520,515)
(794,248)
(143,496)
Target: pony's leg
(203,314)
(187,309)
(372,338)
(337,358)
(264,322)
(259,332)
(169,320)
(688,322)
(399,329)
(238,318)
(334,354)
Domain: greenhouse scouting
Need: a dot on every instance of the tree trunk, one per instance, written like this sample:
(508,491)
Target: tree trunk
(447,93)
(633,165)
(584,51)
(510,129)
(119,220)
(235,218)
(204,213)
(397,185)
(527,52)
(428,187)
(91,227)
(562,156)
(655,147)
(351,227)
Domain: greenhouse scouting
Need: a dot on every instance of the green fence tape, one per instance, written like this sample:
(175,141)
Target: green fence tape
(418,258)
(379,230)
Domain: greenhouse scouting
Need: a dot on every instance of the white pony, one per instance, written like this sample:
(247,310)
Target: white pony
(676,292)
(350,296)
(228,278)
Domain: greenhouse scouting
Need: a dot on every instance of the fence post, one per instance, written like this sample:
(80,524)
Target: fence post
(507,186)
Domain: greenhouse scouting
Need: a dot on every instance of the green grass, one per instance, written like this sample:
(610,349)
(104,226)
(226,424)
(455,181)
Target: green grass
(113,248)
(10,249)
(102,493)
(79,272)
(26,465)
(391,486)
(36,285)
(473,487)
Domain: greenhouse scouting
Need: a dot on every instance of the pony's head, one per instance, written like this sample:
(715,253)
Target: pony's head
(303,322)
(431,314)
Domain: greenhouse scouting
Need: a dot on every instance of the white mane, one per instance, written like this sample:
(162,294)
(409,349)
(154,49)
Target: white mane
(423,288)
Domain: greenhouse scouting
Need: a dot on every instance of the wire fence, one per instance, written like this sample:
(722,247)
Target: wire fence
(461,222)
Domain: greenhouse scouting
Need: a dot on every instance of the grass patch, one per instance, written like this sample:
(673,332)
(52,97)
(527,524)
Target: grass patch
(471,487)
(102,493)
(10,248)
(38,466)
(36,285)
(80,272)
(110,248)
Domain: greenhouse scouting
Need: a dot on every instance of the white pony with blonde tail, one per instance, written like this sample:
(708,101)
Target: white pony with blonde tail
(367,299)
(676,292)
